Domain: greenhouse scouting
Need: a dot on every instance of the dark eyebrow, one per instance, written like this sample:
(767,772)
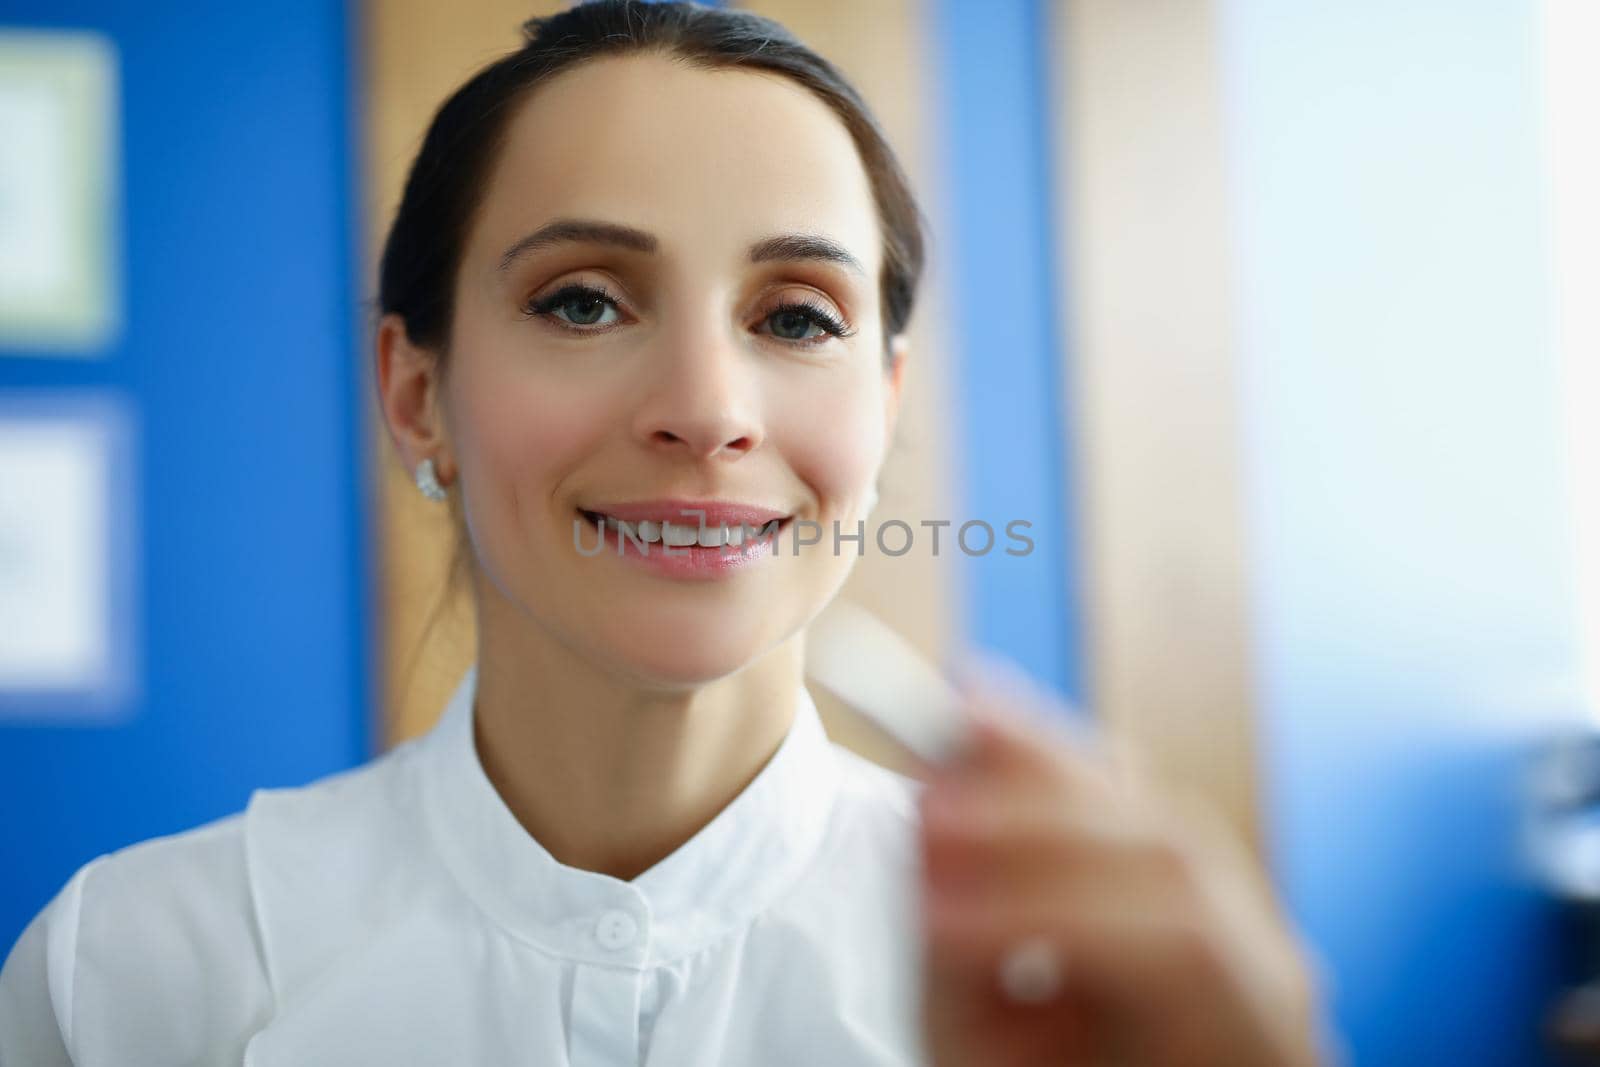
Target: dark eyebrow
(567,231)
(787,247)
(800,246)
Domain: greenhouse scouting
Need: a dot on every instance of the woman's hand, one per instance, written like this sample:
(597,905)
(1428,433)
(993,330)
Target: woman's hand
(1170,945)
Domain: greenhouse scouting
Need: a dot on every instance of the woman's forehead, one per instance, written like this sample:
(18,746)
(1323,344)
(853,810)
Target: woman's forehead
(711,158)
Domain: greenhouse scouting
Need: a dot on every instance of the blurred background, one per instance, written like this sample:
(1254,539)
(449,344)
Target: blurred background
(1279,320)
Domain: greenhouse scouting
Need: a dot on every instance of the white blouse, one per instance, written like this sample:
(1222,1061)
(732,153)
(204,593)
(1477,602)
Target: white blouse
(399,914)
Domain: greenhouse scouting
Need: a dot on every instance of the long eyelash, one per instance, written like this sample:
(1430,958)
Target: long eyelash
(818,315)
(573,291)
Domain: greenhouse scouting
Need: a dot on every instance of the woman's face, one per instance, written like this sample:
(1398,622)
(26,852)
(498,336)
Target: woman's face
(671,372)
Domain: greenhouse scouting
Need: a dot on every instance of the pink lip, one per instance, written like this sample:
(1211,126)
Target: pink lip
(689,561)
(715,512)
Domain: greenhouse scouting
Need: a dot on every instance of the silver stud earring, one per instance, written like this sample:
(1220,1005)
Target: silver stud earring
(428,481)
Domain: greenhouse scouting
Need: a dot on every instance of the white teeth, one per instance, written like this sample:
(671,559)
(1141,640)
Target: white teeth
(646,530)
(679,536)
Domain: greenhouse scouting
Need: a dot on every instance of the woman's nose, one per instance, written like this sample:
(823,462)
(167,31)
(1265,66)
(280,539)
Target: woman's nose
(703,400)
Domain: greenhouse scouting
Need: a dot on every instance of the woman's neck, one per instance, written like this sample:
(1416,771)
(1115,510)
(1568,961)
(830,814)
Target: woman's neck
(608,774)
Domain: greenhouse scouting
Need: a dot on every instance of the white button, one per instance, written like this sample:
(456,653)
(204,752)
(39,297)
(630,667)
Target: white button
(616,929)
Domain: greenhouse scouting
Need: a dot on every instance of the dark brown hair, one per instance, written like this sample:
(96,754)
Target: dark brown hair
(448,178)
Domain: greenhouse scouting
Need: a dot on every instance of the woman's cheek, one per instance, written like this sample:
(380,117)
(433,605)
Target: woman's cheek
(519,444)
(834,441)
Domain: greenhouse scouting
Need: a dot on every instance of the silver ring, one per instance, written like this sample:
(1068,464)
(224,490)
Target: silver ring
(1030,971)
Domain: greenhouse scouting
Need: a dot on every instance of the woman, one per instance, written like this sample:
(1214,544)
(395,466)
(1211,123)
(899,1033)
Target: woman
(659,263)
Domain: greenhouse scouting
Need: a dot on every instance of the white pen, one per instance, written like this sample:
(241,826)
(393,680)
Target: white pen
(880,675)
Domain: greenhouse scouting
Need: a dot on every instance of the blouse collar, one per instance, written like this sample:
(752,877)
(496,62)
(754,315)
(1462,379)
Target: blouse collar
(729,871)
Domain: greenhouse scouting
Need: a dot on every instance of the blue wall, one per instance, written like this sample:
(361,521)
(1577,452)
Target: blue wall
(238,360)
(996,239)
(1416,633)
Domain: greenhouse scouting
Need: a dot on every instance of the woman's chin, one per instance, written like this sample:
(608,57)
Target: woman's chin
(685,656)
(689,665)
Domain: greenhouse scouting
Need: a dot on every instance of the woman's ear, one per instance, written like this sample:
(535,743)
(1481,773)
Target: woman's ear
(899,346)
(408,392)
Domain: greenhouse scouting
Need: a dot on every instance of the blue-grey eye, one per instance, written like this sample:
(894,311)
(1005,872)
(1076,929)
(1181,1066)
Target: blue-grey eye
(577,305)
(793,325)
(589,310)
(805,323)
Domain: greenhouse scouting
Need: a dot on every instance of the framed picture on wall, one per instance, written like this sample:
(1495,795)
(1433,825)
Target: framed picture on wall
(68,550)
(58,181)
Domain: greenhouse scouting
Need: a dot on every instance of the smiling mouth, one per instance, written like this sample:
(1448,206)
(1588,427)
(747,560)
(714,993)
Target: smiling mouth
(679,534)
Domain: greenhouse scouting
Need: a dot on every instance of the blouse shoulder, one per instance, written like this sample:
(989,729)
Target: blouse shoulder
(134,940)
(865,784)
(871,839)
(846,927)
(140,936)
